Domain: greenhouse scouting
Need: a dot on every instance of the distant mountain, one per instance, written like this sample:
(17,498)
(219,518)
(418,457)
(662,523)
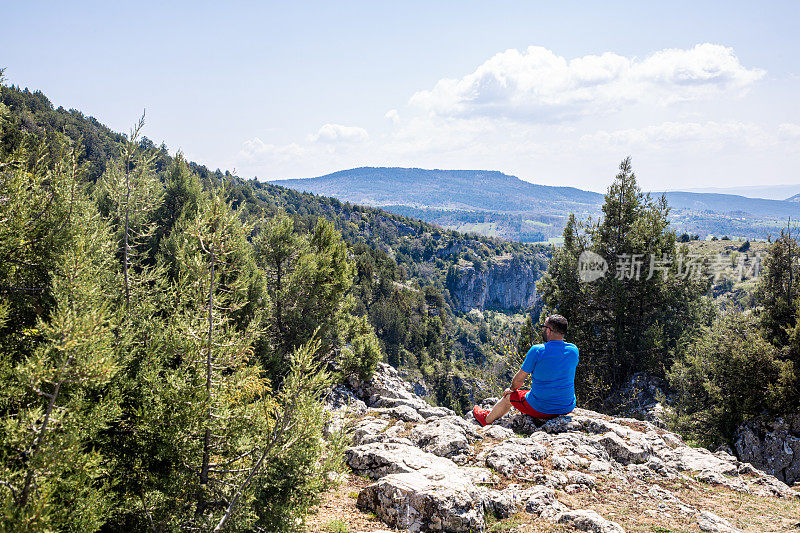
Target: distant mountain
(492,203)
(471,190)
(738,206)
(795,198)
(769,192)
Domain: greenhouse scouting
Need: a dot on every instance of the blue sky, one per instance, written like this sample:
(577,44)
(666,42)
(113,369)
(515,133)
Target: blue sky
(698,93)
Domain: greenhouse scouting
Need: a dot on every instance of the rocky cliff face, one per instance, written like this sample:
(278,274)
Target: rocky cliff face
(436,471)
(505,283)
(772,445)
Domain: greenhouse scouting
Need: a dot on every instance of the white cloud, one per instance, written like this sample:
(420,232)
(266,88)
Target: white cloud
(393,115)
(789,131)
(692,136)
(513,114)
(255,148)
(336,133)
(538,85)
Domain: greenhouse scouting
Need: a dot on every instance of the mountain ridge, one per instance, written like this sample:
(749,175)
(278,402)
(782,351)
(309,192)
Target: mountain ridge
(379,175)
(495,203)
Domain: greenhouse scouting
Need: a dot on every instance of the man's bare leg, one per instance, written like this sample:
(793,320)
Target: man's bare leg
(499,409)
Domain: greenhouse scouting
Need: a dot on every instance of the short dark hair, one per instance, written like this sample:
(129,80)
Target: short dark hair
(558,323)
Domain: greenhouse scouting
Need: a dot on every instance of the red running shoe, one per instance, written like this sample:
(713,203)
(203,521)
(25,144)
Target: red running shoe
(480,415)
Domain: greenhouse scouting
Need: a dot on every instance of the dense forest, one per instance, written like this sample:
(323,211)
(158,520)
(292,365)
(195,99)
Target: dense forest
(402,264)
(167,332)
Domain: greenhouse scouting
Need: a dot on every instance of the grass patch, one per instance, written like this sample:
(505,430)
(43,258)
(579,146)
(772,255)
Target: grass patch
(506,525)
(336,526)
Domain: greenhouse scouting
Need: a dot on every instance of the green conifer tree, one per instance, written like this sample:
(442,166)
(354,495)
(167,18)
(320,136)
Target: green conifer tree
(54,478)
(627,320)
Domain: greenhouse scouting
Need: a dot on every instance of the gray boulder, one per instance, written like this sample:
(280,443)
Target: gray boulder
(625,452)
(513,455)
(539,501)
(772,445)
(447,437)
(341,403)
(587,520)
(384,383)
(414,502)
(378,459)
(401,412)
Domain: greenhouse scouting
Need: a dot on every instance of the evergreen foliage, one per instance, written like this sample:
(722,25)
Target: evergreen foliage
(626,321)
(746,363)
(725,375)
(134,323)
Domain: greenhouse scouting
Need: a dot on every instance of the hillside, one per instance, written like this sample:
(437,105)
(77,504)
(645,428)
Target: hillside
(493,203)
(448,311)
(433,469)
(415,281)
(444,189)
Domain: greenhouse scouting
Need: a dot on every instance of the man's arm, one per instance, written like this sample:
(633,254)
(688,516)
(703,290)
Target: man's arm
(516,382)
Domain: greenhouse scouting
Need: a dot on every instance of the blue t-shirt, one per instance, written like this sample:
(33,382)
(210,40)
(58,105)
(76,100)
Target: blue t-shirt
(552,369)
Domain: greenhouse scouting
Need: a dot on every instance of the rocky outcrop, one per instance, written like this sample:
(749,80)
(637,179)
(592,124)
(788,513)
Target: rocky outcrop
(586,520)
(504,283)
(772,445)
(442,472)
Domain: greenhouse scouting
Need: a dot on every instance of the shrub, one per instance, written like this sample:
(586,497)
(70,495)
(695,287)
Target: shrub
(723,376)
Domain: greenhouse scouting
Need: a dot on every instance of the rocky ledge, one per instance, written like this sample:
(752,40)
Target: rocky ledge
(436,471)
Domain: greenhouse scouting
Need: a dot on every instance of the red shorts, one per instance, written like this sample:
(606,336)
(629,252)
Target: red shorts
(518,400)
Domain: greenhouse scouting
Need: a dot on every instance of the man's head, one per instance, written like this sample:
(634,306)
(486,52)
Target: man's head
(554,328)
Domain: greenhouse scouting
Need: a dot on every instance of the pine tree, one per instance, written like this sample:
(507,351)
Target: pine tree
(775,294)
(220,387)
(308,278)
(130,194)
(54,478)
(627,320)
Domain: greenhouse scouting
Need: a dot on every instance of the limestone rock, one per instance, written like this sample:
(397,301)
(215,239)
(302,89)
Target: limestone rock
(379,459)
(580,478)
(422,462)
(401,412)
(772,445)
(446,437)
(340,397)
(414,503)
(699,459)
(496,432)
(425,409)
(708,521)
(587,520)
(384,383)
(538,500)
(624,452)
(365,430)
(505,283)
(514,454)
(340,403)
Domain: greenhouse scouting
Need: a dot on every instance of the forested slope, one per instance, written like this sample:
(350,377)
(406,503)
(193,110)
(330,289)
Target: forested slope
(404,267)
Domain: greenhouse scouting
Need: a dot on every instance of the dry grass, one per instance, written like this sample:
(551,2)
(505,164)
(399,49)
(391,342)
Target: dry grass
(339,503)
(629,504)
(625,502)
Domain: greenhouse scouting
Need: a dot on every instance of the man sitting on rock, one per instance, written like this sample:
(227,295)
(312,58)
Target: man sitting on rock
(552,367)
